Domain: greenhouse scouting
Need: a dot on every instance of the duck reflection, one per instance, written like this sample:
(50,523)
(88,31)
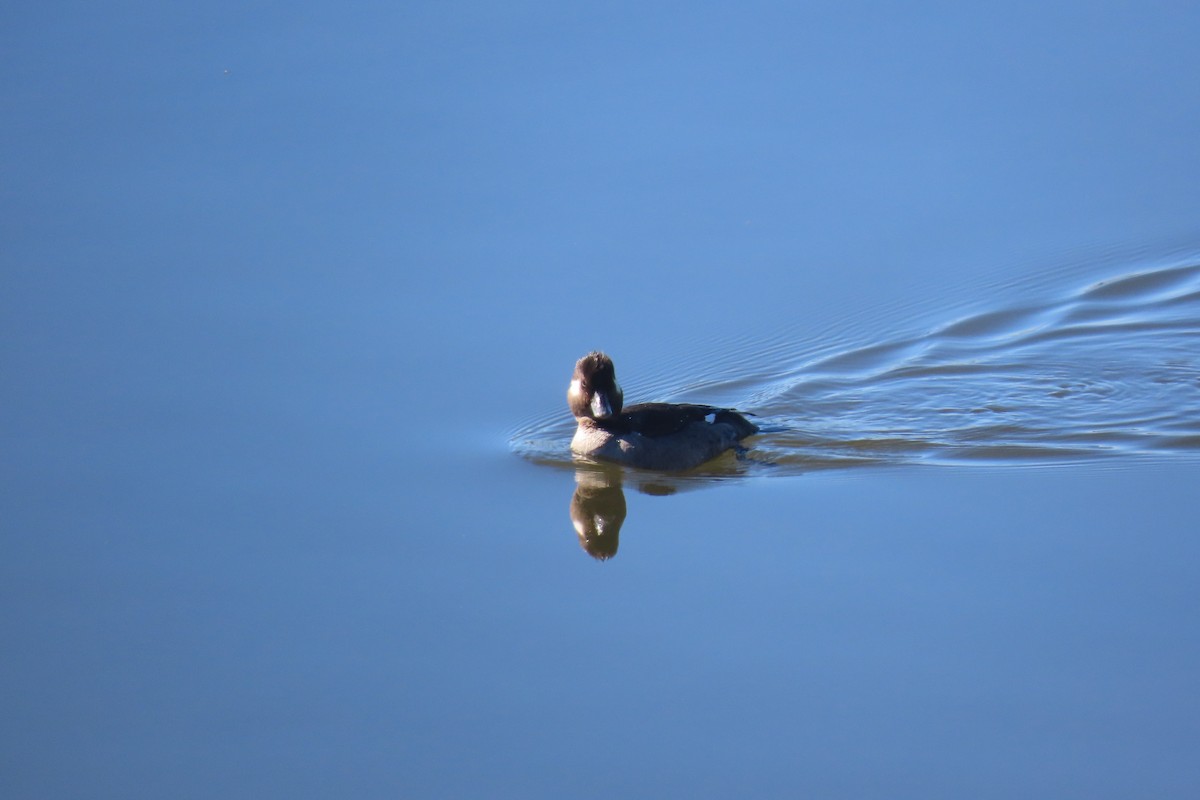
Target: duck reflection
(598,506)
(598,511)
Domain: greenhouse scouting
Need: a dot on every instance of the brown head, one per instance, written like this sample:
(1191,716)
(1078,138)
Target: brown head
(594,392)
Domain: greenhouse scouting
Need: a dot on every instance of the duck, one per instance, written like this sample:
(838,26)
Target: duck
(671,437)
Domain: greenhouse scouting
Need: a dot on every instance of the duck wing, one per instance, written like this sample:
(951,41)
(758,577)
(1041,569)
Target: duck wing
(659,419)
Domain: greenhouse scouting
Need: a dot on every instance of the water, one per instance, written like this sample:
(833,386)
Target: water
(1102,370)
(282,289)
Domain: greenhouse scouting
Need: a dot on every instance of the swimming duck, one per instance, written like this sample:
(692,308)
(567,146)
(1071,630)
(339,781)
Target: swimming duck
(660,436)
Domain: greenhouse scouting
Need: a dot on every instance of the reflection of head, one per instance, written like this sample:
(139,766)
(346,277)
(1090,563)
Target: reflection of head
(597,511)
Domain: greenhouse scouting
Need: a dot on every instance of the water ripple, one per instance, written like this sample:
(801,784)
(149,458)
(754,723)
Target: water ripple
(1109,370)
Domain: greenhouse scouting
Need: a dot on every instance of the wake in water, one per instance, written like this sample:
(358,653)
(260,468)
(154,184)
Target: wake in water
(1111,369)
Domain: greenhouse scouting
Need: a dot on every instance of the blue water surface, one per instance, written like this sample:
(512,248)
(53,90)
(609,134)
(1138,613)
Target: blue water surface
(290,297)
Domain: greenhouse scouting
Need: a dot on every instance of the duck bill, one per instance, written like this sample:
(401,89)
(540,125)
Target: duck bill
(601,407)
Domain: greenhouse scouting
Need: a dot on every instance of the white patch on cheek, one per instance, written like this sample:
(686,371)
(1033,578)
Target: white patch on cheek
(576,388)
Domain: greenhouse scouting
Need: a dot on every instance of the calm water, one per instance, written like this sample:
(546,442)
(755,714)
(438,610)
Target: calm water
(289,299)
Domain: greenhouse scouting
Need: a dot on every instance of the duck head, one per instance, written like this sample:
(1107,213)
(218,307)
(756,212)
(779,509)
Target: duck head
(594,392)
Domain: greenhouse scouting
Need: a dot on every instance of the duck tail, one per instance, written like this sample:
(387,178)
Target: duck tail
(743,426)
